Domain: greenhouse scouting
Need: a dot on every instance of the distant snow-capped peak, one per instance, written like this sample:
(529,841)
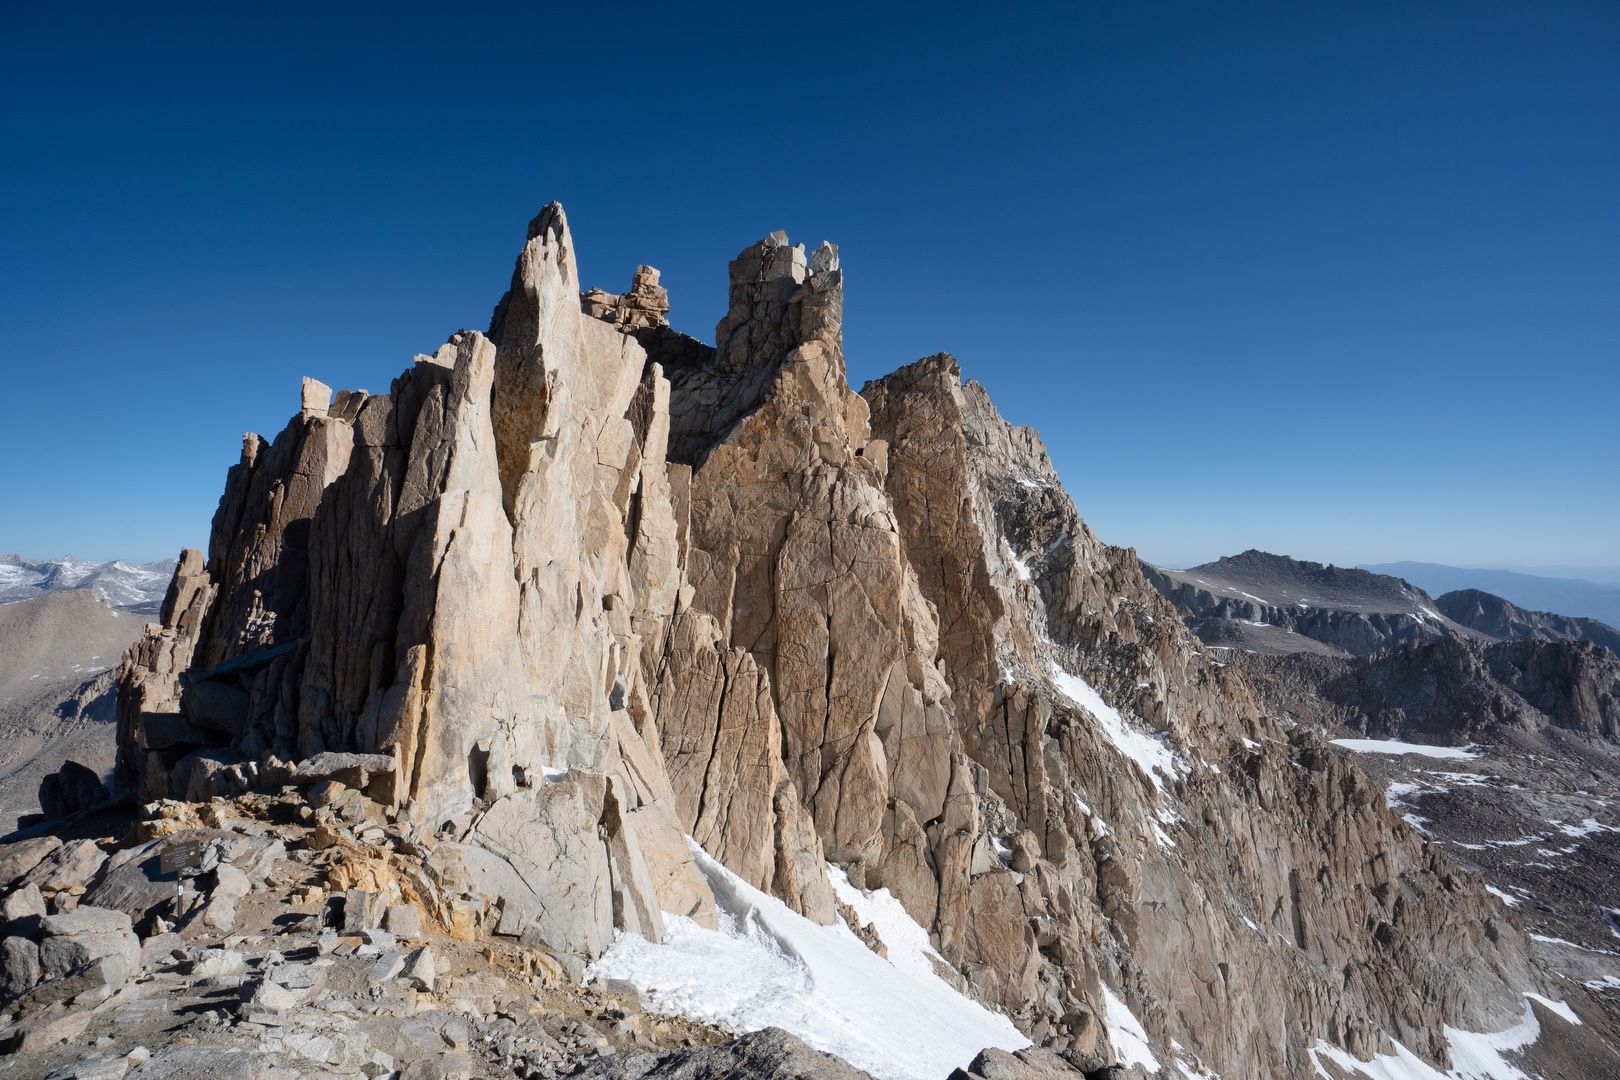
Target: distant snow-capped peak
(121,584)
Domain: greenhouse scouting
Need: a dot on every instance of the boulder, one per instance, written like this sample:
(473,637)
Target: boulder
(71,788)
(19,966)
(85,936)
(70,866)
(350,770)
(230,885)
(23,901)
(420,969)
(46,1029)
(362,910)
(99,1067)
(21,856)
(1029,1064)
(769,1054)
(403,920)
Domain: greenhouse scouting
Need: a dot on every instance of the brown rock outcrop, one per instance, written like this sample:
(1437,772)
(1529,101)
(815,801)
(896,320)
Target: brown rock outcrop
(593,586)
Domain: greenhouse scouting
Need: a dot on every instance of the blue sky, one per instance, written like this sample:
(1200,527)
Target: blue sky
(1340,281)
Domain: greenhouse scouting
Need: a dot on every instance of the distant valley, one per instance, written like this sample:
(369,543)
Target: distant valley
(1494,728)
(64,626)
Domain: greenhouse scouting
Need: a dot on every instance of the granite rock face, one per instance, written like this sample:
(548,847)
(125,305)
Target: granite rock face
(582,586)
(1524,796)
(462,575)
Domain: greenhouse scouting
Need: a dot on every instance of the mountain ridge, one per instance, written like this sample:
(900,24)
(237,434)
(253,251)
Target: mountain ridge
(1277,604)
(589,638)
(1504,620)
(1570,597)
(137,586)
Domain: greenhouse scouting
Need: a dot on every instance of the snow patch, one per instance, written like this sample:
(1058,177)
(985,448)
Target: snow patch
(1586,828)
(1396,792)
(1474,1056)
(769,966)
(1507,898)
(1466,779)
(1557,1008)
(1149,752)
(1547,940)
(1125,1032)
(1395,746)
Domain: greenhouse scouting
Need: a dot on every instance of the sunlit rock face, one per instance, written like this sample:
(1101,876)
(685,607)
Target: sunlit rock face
(589,586)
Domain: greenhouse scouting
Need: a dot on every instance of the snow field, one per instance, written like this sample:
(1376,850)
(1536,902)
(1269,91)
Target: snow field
(769,966)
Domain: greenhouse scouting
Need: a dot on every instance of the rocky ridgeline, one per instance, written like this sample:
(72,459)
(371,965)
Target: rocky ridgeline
(1450,691)
(1268,603)
(495,643)
(1497,618)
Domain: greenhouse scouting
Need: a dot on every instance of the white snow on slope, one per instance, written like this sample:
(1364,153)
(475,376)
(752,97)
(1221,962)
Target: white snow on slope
(1474,1056)
(1150,753)
(1398,791)
(768,966)
(1125,1032)
(1395,746)
(1586,828)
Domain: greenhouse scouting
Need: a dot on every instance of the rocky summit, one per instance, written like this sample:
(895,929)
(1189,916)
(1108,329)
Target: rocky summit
(591,647)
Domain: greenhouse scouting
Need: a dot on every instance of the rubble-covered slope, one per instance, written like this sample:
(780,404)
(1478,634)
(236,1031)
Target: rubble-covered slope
(57,652)
(1528,790)
(582,587)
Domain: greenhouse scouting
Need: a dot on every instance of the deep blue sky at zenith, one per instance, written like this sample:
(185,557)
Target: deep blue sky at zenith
(1340,281)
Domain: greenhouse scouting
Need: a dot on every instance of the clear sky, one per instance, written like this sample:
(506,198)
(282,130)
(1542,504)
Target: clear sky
(1340,281)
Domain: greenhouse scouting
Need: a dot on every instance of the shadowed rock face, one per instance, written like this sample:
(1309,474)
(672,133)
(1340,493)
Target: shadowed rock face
(1497,618)
(590,586)
(1450,691)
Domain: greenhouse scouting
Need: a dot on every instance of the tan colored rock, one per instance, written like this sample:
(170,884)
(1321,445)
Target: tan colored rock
(21,856)
(316,399)
(589,586)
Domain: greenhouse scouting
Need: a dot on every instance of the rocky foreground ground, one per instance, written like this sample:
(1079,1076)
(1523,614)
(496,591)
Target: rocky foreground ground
(313,938)
(312,935)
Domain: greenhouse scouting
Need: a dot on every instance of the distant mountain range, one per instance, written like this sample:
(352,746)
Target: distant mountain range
(1265,603)
(1566,596)
(136,586)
